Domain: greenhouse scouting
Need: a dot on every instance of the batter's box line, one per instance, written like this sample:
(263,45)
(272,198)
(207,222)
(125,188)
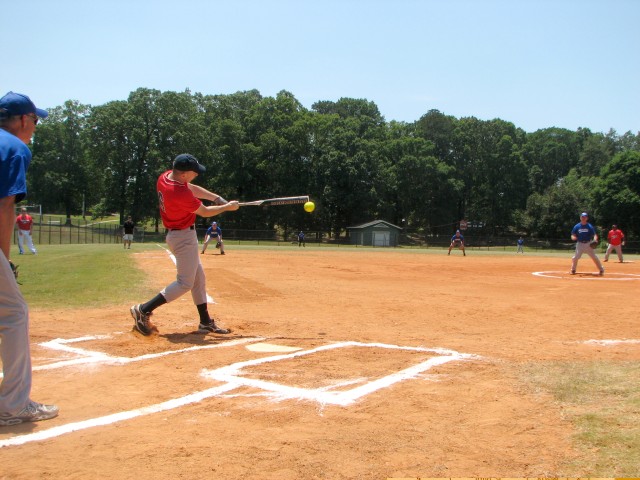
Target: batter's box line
(90,356)
(232,374)
(344,398)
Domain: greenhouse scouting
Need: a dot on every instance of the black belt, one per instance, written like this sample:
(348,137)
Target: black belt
(178,229)
(585,241)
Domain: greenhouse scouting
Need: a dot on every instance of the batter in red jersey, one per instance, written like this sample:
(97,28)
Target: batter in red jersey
(24,222)
(180,202)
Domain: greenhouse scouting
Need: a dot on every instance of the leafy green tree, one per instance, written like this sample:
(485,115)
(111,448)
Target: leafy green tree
(110,146)
(550,154)
(490,167)
(596,152)
(553,213)
(617,195)
(439,129)
(349,160)
(61,177)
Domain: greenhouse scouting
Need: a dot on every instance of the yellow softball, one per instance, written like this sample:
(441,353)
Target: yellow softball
(309,207)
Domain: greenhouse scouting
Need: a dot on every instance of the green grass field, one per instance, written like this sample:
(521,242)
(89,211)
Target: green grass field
(77,276)
(602,401)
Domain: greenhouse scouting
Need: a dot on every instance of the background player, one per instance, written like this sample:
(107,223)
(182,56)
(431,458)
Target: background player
(24,222)
(583,234)
(520,243)
(457,241)
(615,239)
(128,228)
(214,231)
(179,202)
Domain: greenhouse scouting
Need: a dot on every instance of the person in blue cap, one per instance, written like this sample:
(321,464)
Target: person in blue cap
(214,231)
(457,241)
(583,234)
(18,120)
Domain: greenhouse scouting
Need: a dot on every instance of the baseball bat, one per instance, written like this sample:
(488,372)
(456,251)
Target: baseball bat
(268,202)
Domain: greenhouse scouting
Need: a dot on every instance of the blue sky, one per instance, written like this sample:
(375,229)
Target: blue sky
(538,64)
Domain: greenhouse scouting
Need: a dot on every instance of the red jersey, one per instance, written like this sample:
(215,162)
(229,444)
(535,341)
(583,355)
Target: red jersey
(177,203)
(615,237)
(24,222)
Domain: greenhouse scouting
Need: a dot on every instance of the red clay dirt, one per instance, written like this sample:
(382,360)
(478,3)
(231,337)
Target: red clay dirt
(470,417)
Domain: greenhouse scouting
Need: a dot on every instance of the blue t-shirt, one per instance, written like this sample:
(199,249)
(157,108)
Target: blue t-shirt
(520,241)
(210,231)
(584,232)
(461,238)
(15,158)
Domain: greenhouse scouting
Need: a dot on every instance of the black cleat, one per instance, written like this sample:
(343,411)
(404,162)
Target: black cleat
(211,327)
(141,321)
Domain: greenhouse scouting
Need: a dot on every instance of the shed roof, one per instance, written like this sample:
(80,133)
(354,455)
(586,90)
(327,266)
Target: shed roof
(374,223)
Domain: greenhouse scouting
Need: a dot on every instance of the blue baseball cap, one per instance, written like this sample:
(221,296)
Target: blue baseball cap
(18,104)
(584,214)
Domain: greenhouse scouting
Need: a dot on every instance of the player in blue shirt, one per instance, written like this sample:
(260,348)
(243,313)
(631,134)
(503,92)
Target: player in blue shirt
(583,234)
(18,120)
(214,231)
(457,241)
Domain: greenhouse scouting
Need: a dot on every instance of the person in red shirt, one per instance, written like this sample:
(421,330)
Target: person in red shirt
(24,222)
(616,241)
(180,202)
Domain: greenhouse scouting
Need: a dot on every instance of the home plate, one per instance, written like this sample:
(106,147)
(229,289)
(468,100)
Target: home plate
(270,347)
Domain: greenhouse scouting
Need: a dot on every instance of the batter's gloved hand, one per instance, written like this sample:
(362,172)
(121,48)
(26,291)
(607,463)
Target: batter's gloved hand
(220,201)
(14,269)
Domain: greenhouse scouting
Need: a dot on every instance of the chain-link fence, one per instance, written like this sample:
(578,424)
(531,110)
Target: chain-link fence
(52,230)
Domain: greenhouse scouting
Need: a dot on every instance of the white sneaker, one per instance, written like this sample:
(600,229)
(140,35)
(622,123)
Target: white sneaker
(33,412)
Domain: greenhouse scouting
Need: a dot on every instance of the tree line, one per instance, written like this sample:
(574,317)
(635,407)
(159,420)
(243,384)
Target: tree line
(425,176)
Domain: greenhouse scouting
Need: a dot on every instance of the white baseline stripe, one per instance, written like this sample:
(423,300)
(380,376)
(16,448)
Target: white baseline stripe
(89,356)
(116,417)
(611,342)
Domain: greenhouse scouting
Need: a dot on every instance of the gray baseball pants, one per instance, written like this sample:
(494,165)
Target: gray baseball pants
(190,276)
(585,248)
(14,343)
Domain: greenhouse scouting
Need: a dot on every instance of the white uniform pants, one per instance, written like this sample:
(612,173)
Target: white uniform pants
(190,277)
(617,248)
(14,343)
(25,236)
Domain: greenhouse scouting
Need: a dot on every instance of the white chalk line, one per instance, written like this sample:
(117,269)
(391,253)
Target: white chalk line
(581,276)
(230,375)
(612,342)
(173,259)
(90,356)
(116,417)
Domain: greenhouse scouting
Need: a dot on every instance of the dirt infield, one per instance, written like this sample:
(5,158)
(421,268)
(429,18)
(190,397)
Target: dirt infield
(342,364)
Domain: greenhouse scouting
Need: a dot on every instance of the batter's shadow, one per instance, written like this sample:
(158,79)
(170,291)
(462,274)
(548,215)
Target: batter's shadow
(200,339)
